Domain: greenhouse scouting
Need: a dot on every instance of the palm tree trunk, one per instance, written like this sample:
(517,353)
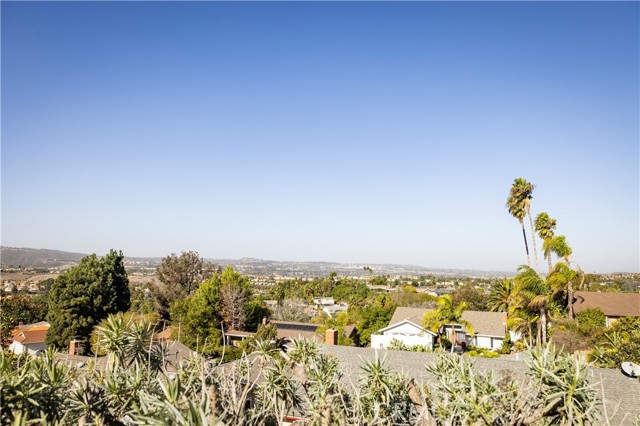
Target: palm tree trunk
(570,300)
(526,246)
(550,265)
(535,250)
(543,324)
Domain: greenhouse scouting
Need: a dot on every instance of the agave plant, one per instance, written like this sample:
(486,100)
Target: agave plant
(568,396)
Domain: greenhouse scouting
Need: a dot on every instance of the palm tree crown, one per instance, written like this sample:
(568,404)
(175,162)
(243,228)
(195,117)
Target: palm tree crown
(448,313)
(545,227)
(502,296)
(535,293)
(522,193)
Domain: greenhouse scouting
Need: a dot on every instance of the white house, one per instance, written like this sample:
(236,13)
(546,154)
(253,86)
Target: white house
(406,331)
(406,326)
(29,338)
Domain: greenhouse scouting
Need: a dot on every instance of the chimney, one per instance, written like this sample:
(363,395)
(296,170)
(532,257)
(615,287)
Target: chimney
(76,347)
(331,337)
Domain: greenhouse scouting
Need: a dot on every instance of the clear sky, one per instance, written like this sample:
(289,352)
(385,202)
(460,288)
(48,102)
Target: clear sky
(350,132)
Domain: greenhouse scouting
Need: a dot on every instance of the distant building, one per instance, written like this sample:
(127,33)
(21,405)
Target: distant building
(614,305)
(323,301)
(29,338)
(289,330)
(335,309)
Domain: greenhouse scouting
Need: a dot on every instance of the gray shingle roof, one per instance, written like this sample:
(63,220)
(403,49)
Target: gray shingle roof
(484,323)
(621,394)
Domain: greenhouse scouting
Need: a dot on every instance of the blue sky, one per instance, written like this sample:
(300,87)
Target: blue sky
(354,132)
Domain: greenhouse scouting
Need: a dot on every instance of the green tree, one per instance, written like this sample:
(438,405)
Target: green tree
(522,191)
(372,317)
(502,296)
(545,226)
(235,292)
(84,295)
(474,298)
(256,310)
(219,303)
(560,247)
(17,309)
(179,277)
(199,319)
(562,279)
(535,293)
(448,313)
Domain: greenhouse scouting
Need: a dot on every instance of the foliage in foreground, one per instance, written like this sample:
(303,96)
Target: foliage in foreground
(133,386)
(261,388)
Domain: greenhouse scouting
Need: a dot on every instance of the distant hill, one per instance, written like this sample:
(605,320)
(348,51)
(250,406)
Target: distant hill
(38,258)
(35,258)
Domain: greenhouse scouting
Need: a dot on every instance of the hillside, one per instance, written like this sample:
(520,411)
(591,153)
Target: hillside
(34,258)
(38,258)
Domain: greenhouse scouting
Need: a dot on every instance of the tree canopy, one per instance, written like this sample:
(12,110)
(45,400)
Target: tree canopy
(179,276)
(84,295)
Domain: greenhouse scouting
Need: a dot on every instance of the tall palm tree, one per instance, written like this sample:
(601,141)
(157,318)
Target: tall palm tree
(545,226)
(502,295)
(535,294)
(521,192)
(560,247)
(517,210)
(562,280)
(522,320)
(448,313)
(503,298)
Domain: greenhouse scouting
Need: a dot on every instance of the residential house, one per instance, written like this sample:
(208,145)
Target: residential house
(29,338)
(406,326)
(336,308)
(289,330)
(614,305)
(321,302)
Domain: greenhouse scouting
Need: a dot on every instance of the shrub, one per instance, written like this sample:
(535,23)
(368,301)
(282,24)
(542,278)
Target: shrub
(570,341)
(591,319)
(506,345)
(396,345)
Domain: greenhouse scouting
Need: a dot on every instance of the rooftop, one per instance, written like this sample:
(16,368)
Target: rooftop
(484,323)
(621,393)
(612,304)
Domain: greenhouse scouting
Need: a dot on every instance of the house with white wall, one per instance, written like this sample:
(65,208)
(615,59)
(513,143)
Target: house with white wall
(29,338)
(406,326)
(406,331)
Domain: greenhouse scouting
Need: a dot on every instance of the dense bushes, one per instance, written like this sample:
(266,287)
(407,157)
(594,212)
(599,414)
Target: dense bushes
(621,343)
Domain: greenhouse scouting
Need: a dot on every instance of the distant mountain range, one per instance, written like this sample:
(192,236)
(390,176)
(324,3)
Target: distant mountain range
(45,258)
